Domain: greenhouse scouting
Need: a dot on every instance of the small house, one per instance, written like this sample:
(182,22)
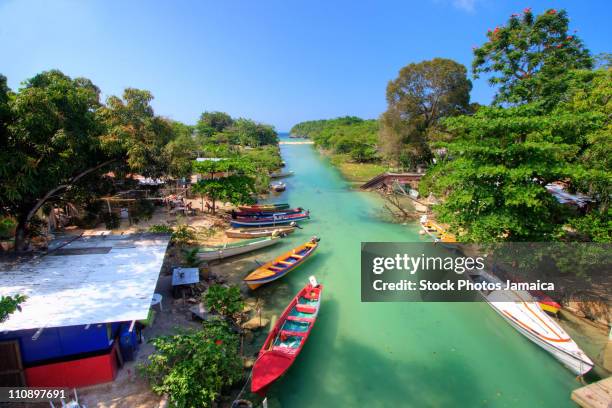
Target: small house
(78,322)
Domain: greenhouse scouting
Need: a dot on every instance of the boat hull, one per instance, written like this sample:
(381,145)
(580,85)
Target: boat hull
(258,232)
(576,365)
(252,214)
(524,314)
(269,221)
(263,207)
(222,253)
(277,268)
(286,339)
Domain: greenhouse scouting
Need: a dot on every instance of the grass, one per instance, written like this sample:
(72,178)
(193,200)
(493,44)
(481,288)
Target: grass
(356,172)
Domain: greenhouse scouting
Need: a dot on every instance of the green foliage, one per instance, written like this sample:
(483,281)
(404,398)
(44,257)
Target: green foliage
(212,122)
(501,159)
(111,220)
(220,128)
(193,367)
(227,301)
(142,210)
(190,258)
(417,100)
(529,55)
(183,234)
(229,180)
(161,229)
(181,151)
(9,304)
(7,227)
(346,135)
(56,133)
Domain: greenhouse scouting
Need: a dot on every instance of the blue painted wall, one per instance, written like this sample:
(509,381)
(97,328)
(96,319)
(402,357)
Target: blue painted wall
(59,342)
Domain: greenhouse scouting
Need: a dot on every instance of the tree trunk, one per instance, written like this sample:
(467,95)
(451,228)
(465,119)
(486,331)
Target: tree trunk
(213,205)
(21,241)
(202,203)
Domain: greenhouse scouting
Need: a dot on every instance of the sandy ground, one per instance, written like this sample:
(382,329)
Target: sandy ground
(130,390)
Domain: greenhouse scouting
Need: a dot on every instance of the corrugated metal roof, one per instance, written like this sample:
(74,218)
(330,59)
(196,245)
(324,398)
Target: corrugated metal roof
(81,285)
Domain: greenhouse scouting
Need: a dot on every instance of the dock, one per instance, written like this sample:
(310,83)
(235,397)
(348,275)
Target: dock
(307,142)
(596,395)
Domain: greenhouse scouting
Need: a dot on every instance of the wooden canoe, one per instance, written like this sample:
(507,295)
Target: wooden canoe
(279,219)
(281,174)
(214,252)
(286,340)
(263,207)
(281,265)
(251,214)
(259,232)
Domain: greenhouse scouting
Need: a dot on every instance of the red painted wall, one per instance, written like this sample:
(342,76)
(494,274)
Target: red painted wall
(75,373)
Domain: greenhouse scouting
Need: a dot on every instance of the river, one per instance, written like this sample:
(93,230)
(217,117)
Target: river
(393,354)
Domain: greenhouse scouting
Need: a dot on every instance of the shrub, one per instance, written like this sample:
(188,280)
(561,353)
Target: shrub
(223,300)
(111,220)
(7,228)
(192,367)
(161,229)
(183,234)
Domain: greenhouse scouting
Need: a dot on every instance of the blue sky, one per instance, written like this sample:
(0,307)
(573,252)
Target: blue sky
(278,62)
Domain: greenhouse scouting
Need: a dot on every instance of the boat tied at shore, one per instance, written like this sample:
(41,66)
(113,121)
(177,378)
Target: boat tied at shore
(251,214)
(260,232)
(282,264)
(265,221)
(287,338)
(215,252)
(524,314)
(264,207)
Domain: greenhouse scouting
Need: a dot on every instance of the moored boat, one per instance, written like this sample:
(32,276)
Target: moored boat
(286,340)
(436,231)
(214,252)
(281,265)
(242,214)
(281,174)
(280,219)
(523,313)
(263,207)
(278,187)
(259,232)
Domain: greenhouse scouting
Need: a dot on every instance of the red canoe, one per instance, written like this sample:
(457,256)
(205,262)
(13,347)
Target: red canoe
(286,339)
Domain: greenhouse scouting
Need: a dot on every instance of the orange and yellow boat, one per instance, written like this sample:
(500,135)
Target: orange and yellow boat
(281,265)
(436,231)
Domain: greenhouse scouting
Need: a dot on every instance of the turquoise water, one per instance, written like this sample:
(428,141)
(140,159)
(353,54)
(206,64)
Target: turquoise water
(393,354)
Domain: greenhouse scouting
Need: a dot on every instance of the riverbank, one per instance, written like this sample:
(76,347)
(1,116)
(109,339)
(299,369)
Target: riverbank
(352,171)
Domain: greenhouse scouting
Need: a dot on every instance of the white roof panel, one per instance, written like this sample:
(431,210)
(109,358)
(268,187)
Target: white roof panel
(96,279)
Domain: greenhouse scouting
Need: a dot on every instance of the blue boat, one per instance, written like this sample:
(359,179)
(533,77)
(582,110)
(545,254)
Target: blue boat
(279,219)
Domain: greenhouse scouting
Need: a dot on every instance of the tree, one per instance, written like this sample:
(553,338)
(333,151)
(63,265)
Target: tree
(501,159)
(213,122)
(228,180)
(417,99)
(192,367)
(528,57)
(55,133)
(181,151)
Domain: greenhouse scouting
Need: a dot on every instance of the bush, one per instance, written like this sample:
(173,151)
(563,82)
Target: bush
(7,228)
(142,210)
(111,220)
(223,300)
(183,234)
(161,229)
(192,367)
